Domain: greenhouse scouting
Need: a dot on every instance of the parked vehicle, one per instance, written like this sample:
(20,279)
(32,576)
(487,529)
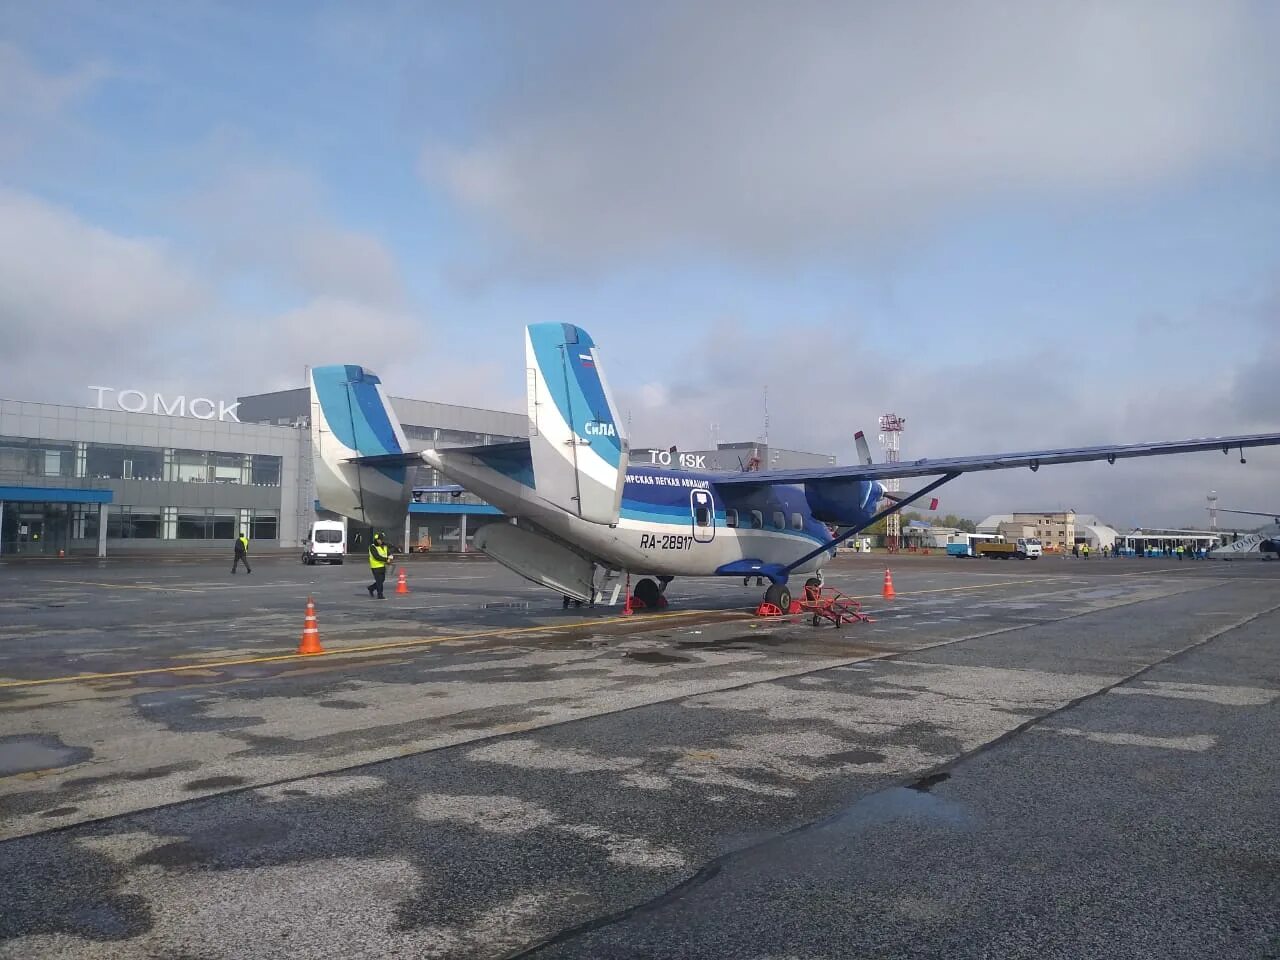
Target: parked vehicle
(327,541)
(1022,549)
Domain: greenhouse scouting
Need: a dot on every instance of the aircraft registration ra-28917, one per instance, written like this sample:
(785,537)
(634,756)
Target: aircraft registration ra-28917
(578,505)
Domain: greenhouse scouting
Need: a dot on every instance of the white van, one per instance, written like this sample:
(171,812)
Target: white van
(327,541)
(1030,547)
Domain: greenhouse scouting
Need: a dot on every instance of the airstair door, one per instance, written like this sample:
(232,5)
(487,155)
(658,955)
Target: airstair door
(703,508)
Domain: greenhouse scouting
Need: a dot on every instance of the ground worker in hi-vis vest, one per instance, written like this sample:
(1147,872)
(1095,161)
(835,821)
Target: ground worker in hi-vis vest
(242,554)
(379,558)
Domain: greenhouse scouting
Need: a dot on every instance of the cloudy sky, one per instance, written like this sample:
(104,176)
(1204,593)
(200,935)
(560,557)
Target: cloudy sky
(1017,225)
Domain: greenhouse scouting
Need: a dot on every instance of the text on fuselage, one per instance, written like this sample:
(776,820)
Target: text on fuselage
(665,541)
(661,481)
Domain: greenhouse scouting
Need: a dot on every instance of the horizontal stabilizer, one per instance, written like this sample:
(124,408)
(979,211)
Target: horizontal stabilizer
(389,460)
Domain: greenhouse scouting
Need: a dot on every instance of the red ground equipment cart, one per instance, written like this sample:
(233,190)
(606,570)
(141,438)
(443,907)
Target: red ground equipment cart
(827,603)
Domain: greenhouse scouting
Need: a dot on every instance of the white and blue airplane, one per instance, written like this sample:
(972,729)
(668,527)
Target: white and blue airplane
(579,508)
(1264,544)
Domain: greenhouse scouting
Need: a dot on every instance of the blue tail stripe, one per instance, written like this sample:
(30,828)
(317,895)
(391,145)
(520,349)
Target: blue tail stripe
(354,410)
(581,391)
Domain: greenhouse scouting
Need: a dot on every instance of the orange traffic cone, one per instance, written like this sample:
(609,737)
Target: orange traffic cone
(402,585)
(626,607)
(310,632)
(887,592)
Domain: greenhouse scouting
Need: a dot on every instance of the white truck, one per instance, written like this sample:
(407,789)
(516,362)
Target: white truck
(327,541)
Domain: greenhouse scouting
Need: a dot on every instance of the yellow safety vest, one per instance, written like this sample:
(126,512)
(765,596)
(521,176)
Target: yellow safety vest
(244,543)
(379,556)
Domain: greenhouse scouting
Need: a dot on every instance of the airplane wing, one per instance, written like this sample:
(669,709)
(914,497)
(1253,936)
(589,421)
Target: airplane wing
(1000,461)
(1252,513)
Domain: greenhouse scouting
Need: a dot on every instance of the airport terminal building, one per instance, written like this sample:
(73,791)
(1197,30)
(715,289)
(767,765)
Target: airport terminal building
(140,471)
(134,470)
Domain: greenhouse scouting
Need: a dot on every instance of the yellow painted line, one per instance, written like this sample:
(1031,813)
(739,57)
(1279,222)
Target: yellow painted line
(128,586)
(364,648)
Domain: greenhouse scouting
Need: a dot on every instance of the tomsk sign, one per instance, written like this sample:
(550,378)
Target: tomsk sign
(135,401)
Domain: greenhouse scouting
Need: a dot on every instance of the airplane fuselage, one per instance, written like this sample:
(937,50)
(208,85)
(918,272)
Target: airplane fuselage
(671,522)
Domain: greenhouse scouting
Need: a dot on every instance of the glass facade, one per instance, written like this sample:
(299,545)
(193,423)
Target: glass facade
(209,524)
(36,458)
(109,462)
(22,459)
(132,523)
(48,527)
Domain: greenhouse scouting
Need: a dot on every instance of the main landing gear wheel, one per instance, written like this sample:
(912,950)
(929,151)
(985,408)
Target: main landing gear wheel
(779,596)
(647,592)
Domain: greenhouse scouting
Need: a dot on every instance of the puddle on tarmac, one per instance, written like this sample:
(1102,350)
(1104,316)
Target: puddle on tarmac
(655,656)
(104,921)
(925,784)
(914,801)
(27,752)
(215,783)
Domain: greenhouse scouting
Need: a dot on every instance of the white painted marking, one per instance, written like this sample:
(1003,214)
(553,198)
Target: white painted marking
(1205,692)
(1196,743)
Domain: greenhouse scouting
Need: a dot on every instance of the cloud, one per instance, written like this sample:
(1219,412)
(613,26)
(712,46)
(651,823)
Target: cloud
(33,102)
(75,297)
(82,304)
(1256,389)
(753,130)
(270,219)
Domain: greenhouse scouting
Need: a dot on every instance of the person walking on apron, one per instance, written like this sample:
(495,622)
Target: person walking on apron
(379,559)
(242,554)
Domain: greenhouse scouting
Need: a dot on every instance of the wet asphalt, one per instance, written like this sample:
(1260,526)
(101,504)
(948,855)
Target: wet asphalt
(1015,760)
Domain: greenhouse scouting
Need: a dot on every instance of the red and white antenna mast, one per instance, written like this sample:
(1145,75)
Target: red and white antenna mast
(891,427)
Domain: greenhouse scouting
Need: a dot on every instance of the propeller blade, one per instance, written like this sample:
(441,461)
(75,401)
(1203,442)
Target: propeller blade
(864,451)
(899,497)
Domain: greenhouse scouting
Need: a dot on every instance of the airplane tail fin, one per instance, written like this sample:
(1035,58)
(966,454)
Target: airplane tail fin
(350,418)
(578,443)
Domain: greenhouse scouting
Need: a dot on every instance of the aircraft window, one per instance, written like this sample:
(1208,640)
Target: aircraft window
(731,518)
(797,522)
(701,516)
(779,520)
(757,520)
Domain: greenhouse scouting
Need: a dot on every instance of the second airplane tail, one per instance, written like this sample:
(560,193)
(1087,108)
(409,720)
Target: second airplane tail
(352,417)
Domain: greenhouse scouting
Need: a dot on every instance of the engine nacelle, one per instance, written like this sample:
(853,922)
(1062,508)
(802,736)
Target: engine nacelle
(845,503)
(538,558)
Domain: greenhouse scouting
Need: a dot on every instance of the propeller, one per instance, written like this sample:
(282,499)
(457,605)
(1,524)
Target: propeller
(864,456)
(864,451)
